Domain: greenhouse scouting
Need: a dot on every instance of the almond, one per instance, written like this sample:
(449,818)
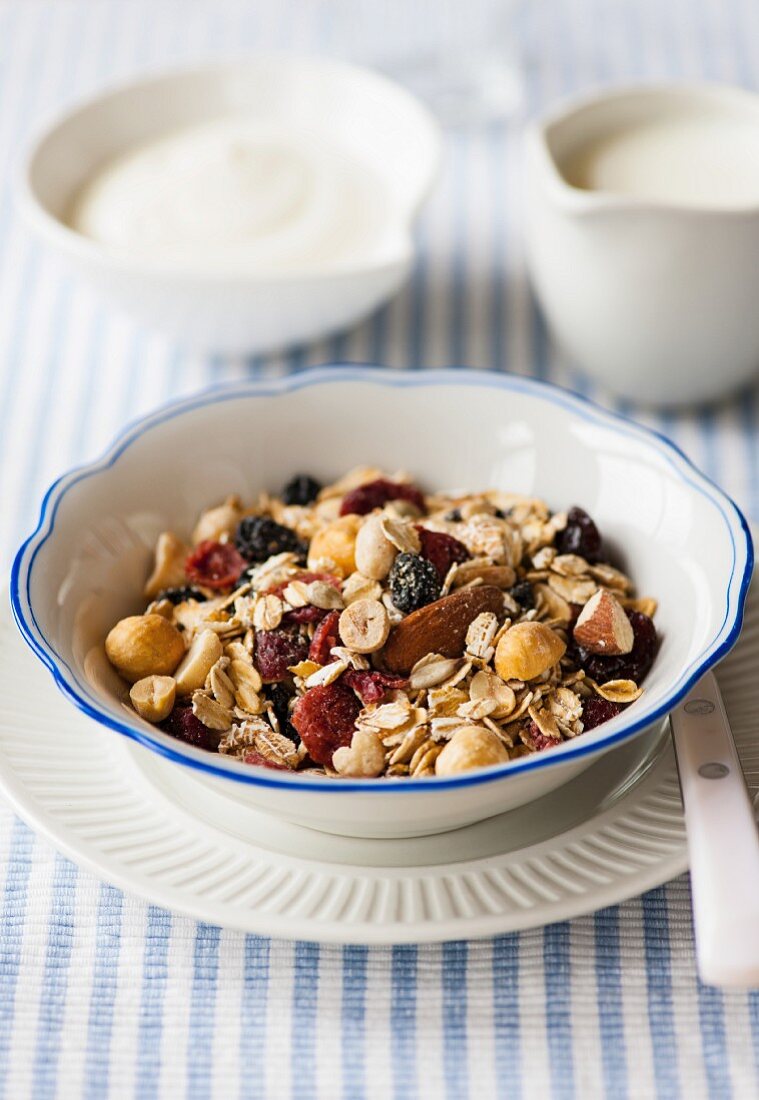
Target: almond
(439,627)
(527,650)
(603,627)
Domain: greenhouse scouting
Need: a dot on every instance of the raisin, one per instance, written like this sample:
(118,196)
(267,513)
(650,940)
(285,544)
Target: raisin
(325,717)
(276,650)
(376,494)
(183,725)
(301,489)
(442,550)
(634,665)
(580,536)
(214,564)
(414,582)
(259,537)
(454,516)
(255,757)
(279,697)
(371,686)
(524,594)
(325,636)
(595,711)
(307,614)
(179,595)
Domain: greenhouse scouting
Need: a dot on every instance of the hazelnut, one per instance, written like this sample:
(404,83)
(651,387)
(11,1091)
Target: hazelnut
(153,697)
(198,662)
(364,626)
(375,553)
(144,645)
(470,747)
(336,542)
(528,650)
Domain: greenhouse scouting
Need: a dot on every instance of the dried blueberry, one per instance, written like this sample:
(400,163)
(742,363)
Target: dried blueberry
(524,594)
(179,595)
(280,697)
(414,582)
(259,537)
(301,489)
(580,536)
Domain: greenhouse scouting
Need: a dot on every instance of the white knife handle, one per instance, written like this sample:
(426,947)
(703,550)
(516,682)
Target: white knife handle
(723,841)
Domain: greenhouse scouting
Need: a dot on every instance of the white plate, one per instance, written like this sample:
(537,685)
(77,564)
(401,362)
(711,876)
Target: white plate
(137,821)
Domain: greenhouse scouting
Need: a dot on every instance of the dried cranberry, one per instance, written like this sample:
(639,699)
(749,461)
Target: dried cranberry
(595,711)
(325,718)
(307,614)
(376,494)
(442,550)
(634,665)
(276,650)
(325,636)
(536,740)
(372,686)
(214,564)
(183,725)
(580,536)
(254,757)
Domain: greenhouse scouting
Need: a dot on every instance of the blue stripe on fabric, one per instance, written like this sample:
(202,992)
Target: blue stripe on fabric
(303,1037)
(610,1007)
(556,959)
(12,922)
(403,979)
(353,1019)
(154,979)
(506,1024)
(255,995)
(54,980)
(661,1020)
(753,1016)
(202,1011)
(711,1015)
(454,981)
(103,994)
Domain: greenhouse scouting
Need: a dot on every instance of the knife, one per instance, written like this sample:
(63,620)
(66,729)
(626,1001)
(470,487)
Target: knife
(723,840)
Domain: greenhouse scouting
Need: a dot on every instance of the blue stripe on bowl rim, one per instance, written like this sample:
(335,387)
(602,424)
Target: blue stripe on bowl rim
(164,745)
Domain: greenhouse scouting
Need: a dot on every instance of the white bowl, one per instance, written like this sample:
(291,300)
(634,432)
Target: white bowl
(682,540)
(366,114)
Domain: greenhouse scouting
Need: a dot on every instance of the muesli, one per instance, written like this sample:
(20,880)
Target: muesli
(367,629)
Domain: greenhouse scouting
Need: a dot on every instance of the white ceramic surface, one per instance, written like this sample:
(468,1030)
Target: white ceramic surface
(654,300)
(376,120)
(681,539)
(142,823)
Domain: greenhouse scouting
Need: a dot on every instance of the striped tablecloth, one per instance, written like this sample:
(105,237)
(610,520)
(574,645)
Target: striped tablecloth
(102,994)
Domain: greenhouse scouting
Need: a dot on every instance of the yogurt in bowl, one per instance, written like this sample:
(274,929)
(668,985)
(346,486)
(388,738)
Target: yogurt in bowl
(666,525)
(240,206)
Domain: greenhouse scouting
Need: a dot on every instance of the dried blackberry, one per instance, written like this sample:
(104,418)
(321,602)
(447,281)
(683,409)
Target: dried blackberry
(524,594)
(301,489)
(259,537)
(414,582)
(179,595)
(280,697)
(580,536)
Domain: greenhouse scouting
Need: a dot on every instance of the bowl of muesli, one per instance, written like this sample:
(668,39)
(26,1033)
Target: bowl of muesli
(383,603)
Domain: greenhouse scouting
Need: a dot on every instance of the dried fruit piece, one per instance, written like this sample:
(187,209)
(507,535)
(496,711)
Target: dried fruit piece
(301,489)
(414,582)
(260,537)
(325,637)
(524,594)
(470,747)
(527,650)
(182,594)
(372,686)
(214,565)
(325,717)
(307,614)
(144,645)
(153,697)
(253,756)
(335,544)
(595,711)
(442,550)
(364,626)
(183,725)
(602,626)
(580,536)
(276,651)
(376,494)
(279,698)
(440,627)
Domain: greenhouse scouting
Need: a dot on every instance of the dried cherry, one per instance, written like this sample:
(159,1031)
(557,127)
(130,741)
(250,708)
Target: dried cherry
(442,550)
(376,494)
(214,564)
(325,718)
